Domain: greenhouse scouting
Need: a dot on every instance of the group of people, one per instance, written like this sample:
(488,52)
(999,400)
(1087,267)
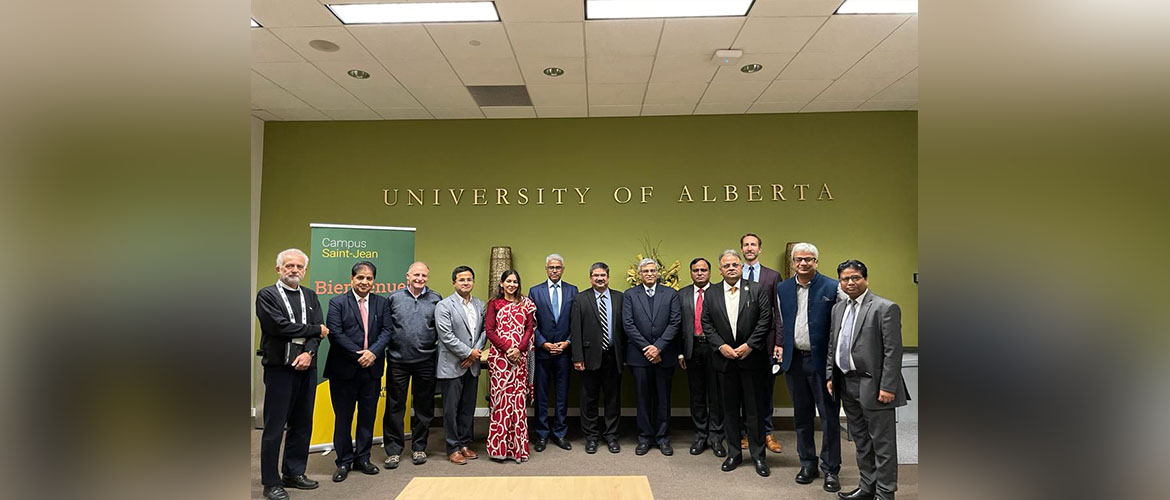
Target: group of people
(836,342)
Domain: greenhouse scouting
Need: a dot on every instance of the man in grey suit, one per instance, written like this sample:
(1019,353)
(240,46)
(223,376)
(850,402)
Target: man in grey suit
(459,323)
(651,315)
(695,359)
(864,367)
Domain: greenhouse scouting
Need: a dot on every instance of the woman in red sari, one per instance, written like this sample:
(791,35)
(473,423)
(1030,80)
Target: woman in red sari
(509,324)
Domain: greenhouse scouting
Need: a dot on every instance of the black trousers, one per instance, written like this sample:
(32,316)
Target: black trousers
(806,384)
(652,389)
(363,391)
(746,389)
(399,376)
(607,379)
(288,399)
(706,394)
(458,409)
(554,370)
(875,436)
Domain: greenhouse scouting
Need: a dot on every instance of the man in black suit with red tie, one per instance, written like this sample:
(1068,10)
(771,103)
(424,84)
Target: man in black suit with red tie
(358,336)
(695,358)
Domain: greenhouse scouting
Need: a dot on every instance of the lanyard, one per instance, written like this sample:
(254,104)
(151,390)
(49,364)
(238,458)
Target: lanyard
(288,306)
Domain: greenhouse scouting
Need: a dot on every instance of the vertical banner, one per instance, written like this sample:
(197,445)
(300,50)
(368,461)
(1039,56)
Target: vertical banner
(334,249)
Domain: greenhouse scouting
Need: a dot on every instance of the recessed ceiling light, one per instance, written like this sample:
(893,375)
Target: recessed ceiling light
(256,24)
(474,43)
(878,7)
(324,45)
(634,9)
(385,13)
(357,73)
(554,72)
(751,68)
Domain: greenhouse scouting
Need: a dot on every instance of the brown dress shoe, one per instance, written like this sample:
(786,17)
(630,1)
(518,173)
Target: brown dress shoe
(457,458)
(743,443)
(468,453)
(772,444)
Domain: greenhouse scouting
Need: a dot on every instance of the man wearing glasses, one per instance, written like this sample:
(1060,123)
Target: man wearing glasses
(651,315)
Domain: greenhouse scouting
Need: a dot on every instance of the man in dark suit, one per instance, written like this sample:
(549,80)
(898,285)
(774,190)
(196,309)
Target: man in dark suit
(291,329)
(695,359)
(737,318)
(596,343)
(553,299)
(806,305)
(358,336)
(651,315)
(754,272)
(864,368)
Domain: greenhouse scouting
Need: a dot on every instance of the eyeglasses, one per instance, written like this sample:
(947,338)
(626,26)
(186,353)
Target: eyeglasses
(804,259)
(849,279)
(555,268)
(730,266)
(649,271)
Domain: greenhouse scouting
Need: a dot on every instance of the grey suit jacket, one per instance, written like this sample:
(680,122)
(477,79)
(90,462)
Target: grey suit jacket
(877,350)
(456,340)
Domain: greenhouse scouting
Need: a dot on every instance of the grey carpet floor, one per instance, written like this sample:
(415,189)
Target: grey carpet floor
(681,476)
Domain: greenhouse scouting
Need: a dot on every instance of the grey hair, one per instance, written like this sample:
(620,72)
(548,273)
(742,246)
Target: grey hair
(731,252)
(806,247)
(280,256)
(553,256)
(645,261)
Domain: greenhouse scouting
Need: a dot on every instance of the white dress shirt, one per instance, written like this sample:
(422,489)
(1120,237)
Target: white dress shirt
(731,301)
(800,332)
(472,314)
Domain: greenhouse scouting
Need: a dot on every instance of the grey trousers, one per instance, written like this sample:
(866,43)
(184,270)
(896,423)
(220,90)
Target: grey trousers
(875,437)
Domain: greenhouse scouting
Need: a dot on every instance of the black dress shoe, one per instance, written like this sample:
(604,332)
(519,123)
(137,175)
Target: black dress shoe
(562,443)
(732,462)
(832,483)
(301,482)
(720,451)
(540,444)
(366,467)
(666,449)
(856,494)
(642,448)
(698,447)
(590,446)
(762,467)
(275,493)
(341,473)
(614,446)
(806,475)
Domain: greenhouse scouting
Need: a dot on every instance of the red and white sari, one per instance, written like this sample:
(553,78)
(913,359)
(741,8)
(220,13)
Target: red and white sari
(508,325)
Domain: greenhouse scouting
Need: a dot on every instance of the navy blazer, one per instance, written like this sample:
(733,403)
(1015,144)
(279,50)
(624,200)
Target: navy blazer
(657,327)
(547,328)
(345,335)
(822,294)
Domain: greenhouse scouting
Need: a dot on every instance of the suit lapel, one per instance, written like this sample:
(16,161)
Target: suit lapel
(357,313)
(862,310)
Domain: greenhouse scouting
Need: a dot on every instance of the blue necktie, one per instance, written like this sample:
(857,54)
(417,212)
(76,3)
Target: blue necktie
(752,274)
(845,343)
(556,302)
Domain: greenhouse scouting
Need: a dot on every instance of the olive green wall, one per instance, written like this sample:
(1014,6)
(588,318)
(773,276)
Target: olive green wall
(335,172)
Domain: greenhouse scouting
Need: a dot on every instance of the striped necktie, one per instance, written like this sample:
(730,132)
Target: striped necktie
(603,318)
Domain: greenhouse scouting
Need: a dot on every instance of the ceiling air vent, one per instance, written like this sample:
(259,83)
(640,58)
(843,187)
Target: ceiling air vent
(500,95)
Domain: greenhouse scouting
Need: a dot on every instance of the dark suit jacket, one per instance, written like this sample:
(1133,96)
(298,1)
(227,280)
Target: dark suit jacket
(769,279)
(686,300)
(655,326)
(877,351)
(755,320)
(345,335)
(276,331)
(822,294)
(585,329)
(547,328)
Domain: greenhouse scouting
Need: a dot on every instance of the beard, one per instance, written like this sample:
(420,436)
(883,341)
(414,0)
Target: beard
(291,280)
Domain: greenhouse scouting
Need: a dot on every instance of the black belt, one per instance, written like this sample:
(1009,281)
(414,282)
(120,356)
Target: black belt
(857,374)
(803,352)
(701,339)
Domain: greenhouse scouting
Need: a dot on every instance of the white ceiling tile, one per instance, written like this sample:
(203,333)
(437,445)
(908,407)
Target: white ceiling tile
(329,98)
(853,33)
(547,39)
(397,42)
(884,64)
(777,107)
(914,107)
(722,108)
(299,114)
(737,92)
(481,71)
(776,34)
(609,94)
(615,110)
(905,89)
(822,106)
(294,75)
(385,97)
(772,64)
(280,13)
(532,69)
(444,97)
(276,98)
(457,113)
(700,35)
(618,69)
(404,113)
(261,83)
(905,38)
(854,89)
(508,111)
(674,94)
(794,90)
(628,37)
(876,105)
(423,73)
(471,40)
(540,10)
(558,95)
(808,65)
(562,111)
(267,48)
(351,114)
(684,68)
(793,8)
(299,38)
(339,72)
(265,115)
(667,109)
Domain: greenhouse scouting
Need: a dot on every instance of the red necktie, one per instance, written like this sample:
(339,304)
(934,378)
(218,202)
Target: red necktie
(699,313)
(365,323)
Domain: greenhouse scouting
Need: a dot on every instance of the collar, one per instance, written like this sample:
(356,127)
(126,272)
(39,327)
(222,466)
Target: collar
(860,298)
(796,279)
(650,288)
(359,297)
(738,286)
(551,284)
(286,287)
(420,294)
(599,294)
(704,287)
(465,302)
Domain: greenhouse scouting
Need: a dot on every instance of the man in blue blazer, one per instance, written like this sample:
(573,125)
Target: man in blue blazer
(806,307)
(358,336)
(651,315)
(553,299)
